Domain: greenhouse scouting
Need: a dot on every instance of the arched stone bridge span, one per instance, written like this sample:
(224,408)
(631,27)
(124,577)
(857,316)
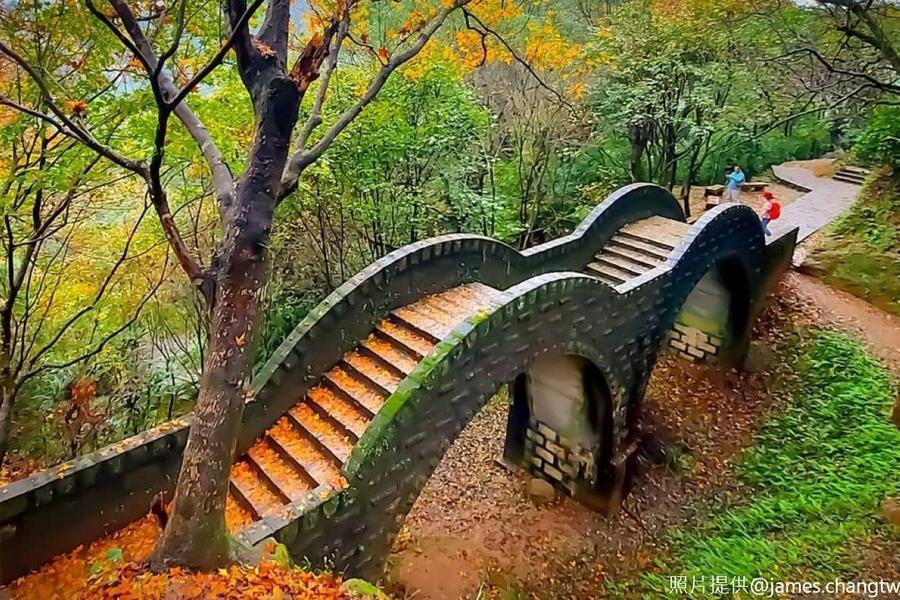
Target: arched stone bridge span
(357,406)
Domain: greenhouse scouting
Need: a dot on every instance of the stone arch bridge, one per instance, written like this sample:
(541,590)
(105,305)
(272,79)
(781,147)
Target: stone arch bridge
(359,403)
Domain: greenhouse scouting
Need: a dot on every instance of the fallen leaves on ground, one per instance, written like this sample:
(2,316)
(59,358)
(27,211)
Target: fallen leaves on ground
(114,567)
(238,582)
(67,576)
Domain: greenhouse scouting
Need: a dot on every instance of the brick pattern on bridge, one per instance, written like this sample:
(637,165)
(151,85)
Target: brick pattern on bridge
(561,313)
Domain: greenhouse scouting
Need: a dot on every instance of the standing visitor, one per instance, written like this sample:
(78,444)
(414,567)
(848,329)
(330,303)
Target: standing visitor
(771,210)
(733,183)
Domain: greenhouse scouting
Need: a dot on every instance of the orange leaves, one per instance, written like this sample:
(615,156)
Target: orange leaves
(268,580)
(383,55)
(263,48)
(67,575)
(77,107)
(114,568)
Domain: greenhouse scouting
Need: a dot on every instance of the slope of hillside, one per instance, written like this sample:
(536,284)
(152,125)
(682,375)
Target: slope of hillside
(860,252)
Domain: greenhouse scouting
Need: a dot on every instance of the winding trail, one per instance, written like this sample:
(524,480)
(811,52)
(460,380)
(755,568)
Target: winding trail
(822,204)
(879,331)
(824,201)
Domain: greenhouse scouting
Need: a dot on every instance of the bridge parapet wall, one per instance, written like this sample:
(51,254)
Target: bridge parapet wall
(119,481)
(619,330)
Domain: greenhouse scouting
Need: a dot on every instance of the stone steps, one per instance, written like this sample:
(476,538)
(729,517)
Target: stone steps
(849,178)
(637,248)
(308,445)
(850,174)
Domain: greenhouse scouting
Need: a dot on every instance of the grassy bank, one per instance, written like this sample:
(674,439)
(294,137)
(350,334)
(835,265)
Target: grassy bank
(812,483)
(860,252)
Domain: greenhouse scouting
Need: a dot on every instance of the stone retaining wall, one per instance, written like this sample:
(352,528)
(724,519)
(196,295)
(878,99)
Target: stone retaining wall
(551,456)
(693,344)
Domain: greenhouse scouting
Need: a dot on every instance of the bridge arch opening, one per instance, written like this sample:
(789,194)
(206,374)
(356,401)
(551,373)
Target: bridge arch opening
(713,322)
(560,425)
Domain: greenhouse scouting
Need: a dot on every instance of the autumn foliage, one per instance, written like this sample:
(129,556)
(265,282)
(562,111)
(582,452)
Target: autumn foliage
(114,568)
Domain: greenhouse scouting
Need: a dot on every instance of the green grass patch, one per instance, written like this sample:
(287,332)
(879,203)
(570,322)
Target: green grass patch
(861,250)
(814,479)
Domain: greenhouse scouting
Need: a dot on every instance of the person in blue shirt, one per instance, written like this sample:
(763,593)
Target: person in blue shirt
(733,183)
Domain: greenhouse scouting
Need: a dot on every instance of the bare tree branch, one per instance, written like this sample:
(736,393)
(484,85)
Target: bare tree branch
(223,181)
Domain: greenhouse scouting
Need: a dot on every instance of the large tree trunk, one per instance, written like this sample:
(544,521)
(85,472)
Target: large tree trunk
(196,535)
(7,399)
(638,139)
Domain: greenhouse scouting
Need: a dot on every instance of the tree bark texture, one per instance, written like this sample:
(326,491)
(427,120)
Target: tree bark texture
(196,535)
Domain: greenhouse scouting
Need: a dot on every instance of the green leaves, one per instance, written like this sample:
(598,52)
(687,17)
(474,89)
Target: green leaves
(879,142)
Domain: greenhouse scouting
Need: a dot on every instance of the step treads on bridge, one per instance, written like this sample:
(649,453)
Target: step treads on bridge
(391,354)
(350,416)
(236,516)
(632,244)
(435,316)
(442,311)
(291,482)
(371,371)
(310,443)
(251,491)
(608,274)
(299,448)
(621,264)
(658,230)
(411,341)
(645,260)
(322,431)
(422,323)
(473,297)
(355,389)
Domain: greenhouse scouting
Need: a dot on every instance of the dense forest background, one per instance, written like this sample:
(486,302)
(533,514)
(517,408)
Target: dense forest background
(512,126)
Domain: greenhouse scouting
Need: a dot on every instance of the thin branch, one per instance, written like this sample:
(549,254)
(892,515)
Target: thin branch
(79,132)
(105,341)
(101,291)
(219,56)
(831,68)
(303,158)
(315,114)
(485,30)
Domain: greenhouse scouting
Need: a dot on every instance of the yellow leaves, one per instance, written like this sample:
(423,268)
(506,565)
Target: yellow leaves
(497,12)
(241,340)
(547,49)
(577,90)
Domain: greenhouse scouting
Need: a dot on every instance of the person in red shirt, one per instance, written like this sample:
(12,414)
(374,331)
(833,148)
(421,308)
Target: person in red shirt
(771,210)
